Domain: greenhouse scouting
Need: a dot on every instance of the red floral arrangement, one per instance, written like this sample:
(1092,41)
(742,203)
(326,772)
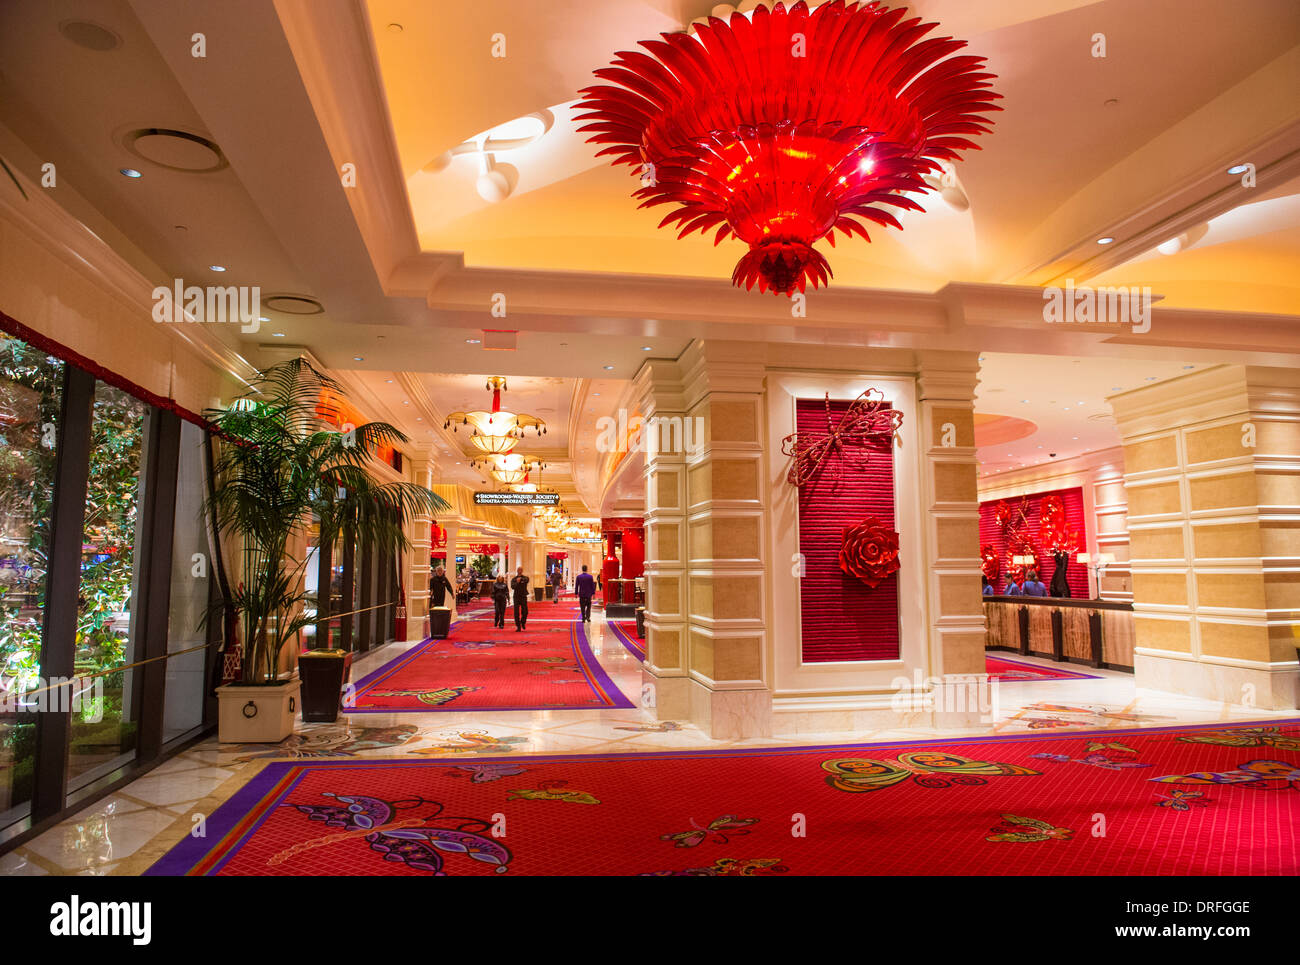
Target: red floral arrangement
(1002,513)
(869,551)
(1053,532)
(989,565)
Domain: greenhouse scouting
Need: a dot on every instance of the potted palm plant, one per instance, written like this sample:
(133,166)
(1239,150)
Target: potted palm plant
(281,461)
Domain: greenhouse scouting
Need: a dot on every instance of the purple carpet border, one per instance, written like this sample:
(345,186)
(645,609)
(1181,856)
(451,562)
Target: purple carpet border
(1061,673)
(630,645)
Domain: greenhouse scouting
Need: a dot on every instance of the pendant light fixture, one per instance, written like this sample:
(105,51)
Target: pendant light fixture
(783,126)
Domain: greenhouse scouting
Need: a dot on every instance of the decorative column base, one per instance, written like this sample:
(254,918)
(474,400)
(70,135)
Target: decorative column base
(1234,682)
(722,714)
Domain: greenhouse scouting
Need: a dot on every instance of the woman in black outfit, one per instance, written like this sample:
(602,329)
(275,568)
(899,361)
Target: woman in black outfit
(500,597)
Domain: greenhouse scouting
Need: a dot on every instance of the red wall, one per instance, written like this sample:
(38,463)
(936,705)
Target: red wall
(842,618)
(990,532)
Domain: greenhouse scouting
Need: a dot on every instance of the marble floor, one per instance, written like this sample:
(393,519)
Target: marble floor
(124,832)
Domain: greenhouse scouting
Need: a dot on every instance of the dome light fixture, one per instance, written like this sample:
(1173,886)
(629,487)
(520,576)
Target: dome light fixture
(495,431)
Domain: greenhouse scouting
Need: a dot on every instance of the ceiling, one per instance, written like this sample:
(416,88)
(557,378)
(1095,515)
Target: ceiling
(1068,119)
(1025,415)
(405,263)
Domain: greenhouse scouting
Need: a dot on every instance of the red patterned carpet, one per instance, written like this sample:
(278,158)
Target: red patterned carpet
(1171,801)
(1010,671)
(547,666)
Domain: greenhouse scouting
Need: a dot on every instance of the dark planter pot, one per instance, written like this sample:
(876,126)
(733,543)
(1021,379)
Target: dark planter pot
(323,674)
(538,594)
(640,622)
(440,622)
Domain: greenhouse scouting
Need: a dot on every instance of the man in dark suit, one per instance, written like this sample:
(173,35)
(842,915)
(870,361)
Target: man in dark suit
(585,585)
(439,587)
(519,586)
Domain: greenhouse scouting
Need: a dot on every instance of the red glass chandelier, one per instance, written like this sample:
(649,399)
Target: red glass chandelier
(783,129)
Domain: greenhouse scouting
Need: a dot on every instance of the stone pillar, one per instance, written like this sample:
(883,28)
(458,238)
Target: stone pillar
(1212,471)
(416,574)
(950,511)
(725,629)
(659,399)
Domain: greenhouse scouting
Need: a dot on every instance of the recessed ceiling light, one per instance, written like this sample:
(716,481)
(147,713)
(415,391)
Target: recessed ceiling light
(277,334)
(1239,169)
(473,341)
(418,419)
(406,402)
(1074,438)
(130,172)
(1117,388)
(596,394)
(645,348)
(357,358)
(1151,378)
(609,368)
(1105,240)
(388,381)
(216,267)
(1189,366)
(1025,401)
(262,318)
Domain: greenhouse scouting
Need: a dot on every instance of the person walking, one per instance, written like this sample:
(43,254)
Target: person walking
(519,585)
(500,597)
(557,581)
(585,585)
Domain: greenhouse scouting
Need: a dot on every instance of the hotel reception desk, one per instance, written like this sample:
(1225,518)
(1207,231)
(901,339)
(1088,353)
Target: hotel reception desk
(1093,632)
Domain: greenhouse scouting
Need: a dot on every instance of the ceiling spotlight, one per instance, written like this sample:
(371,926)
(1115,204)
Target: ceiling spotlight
(645,348)
(262,318)
(277,334)
(1105,241)
(1235,169)
(130,172)
(216,267)
(473,341)
(1189,366)
(609,368)
(388,381)
(357,358)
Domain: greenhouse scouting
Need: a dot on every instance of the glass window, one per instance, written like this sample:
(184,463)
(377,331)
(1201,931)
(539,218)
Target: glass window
(105,723)
(31,395)
(191,570)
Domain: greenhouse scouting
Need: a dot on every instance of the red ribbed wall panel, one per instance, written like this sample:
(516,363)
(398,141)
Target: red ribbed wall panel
(842,618)
(1076,574)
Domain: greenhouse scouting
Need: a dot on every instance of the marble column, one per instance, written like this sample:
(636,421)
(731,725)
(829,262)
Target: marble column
(665,683)
(1212,473)
(950,501)
(415,577)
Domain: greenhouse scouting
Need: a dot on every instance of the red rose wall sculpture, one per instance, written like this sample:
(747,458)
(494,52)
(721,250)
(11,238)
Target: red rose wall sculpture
(787,127)
(869,551)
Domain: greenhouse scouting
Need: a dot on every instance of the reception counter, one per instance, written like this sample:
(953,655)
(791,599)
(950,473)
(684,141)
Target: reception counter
(1094,632)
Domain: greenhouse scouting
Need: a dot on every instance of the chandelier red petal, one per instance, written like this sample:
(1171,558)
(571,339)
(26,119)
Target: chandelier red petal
(783,129)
